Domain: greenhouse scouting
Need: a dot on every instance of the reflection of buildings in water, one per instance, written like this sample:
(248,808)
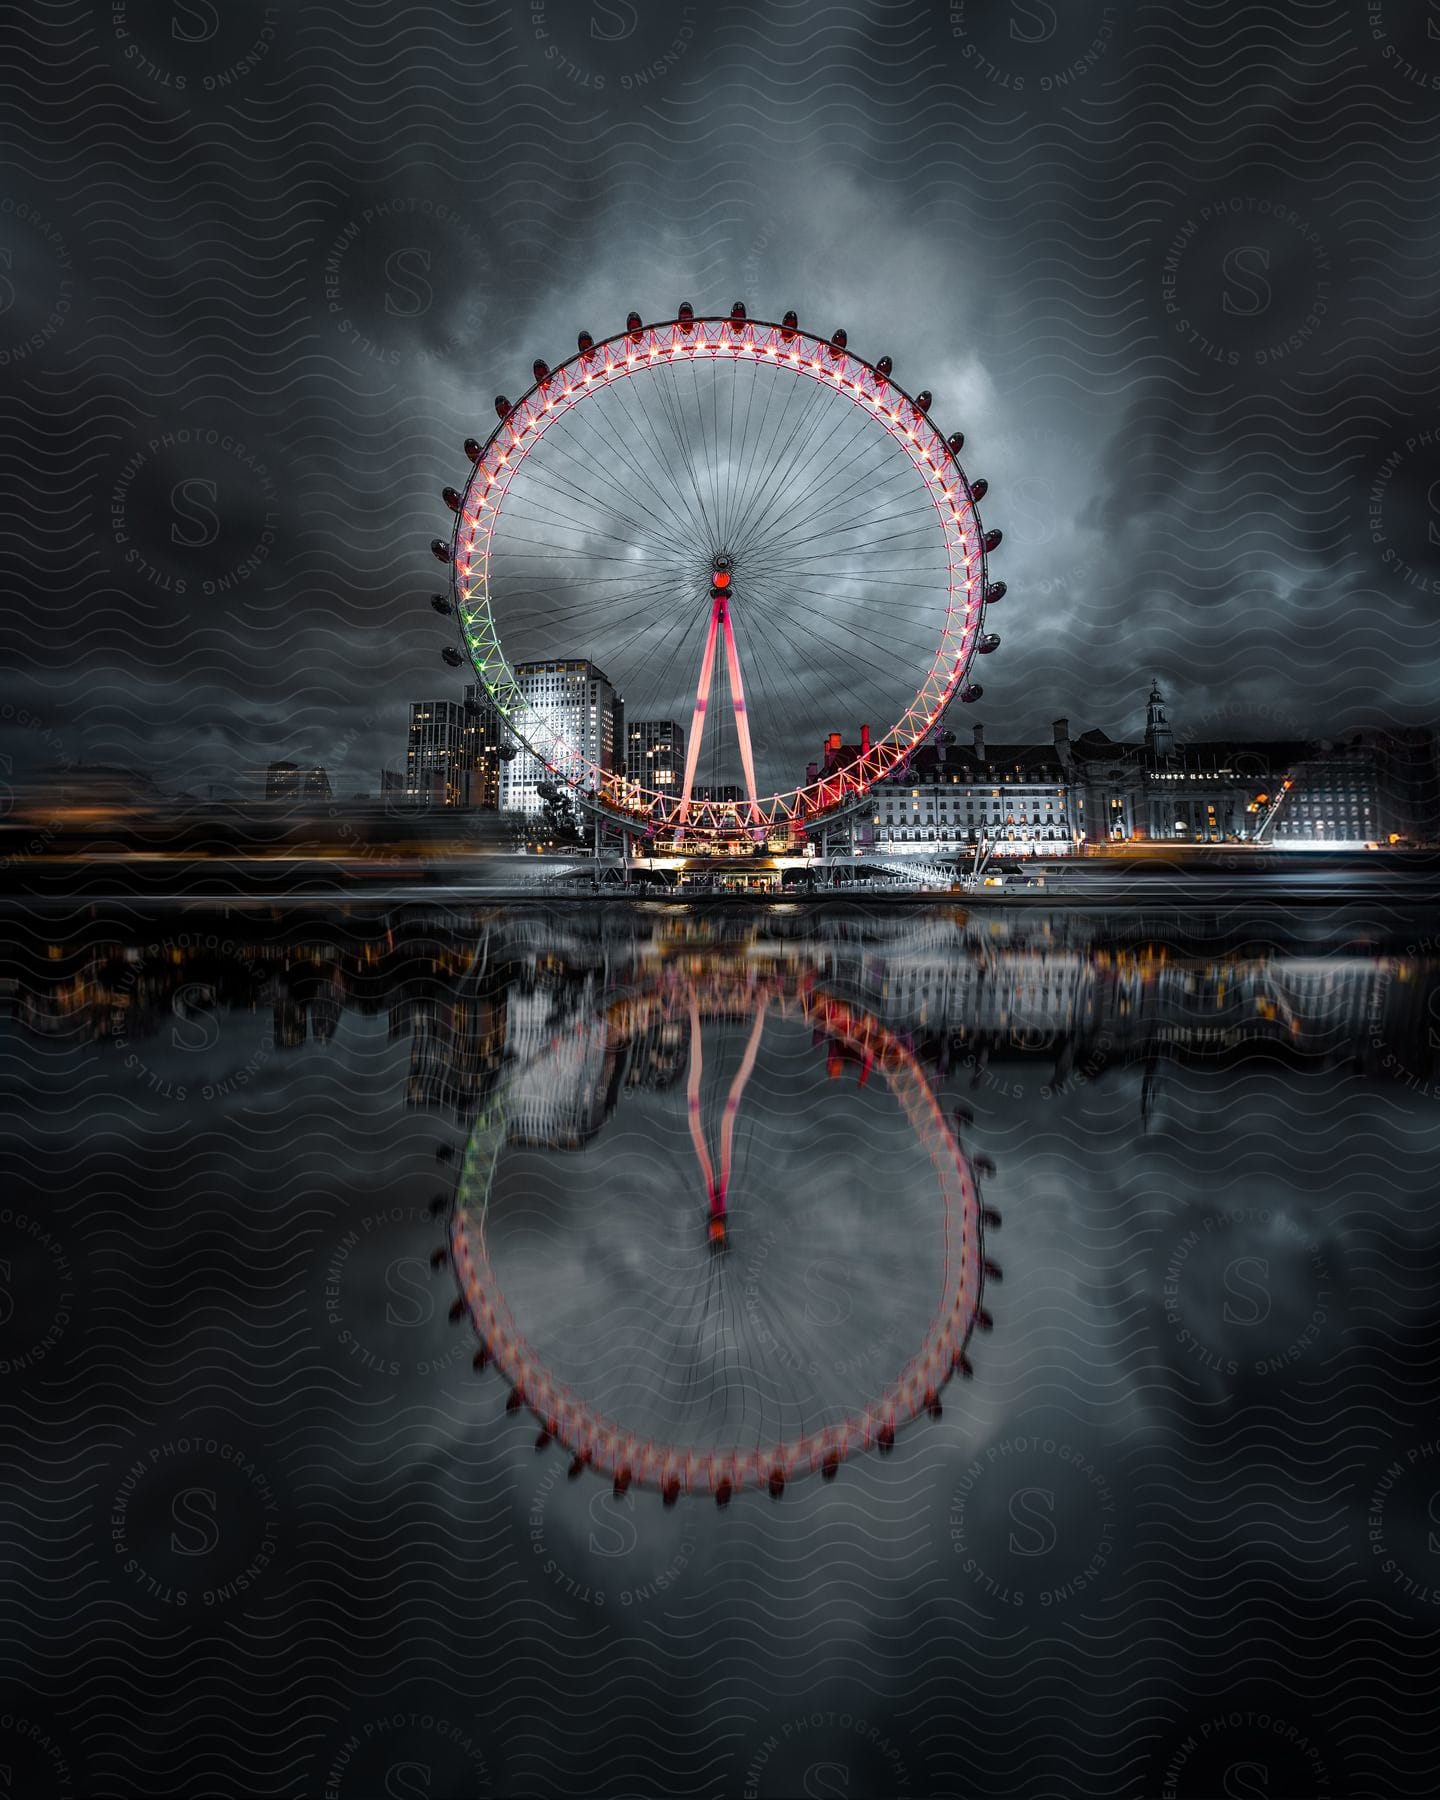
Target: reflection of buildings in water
(129,992)
(456,1048)
(983,993)
(308,998)
(325,1011)
(1075,988)
(659,1053)
(566,1069)
(132,991)
(1335,1008)
(290,1025)
(570,1069)
(98,1004)
(1016,1000)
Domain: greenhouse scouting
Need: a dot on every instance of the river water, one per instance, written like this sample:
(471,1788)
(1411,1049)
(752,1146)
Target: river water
(1047,1298)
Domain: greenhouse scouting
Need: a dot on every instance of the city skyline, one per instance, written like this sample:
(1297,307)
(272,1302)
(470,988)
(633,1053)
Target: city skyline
(957,799)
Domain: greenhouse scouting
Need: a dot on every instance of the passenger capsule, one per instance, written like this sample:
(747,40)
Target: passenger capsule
(503,408)
(540,369)
(437,1259)
(457,1311)
(473,449)
(979,489)
(984,1165)
(480,1361)
(454,658)
(441,604)
(670,1490)
(991,1217)
(993,537)
(993,1271)
(988,643)
(737,313)
(885,1439)
(789,325)
(922,401)
(956,442)
(830,1468)
(777,1483)
(440,550)
(687,313)
(995,590)
(634,325)
(932,1403)
(838,341)
(515,1401)
(984,1319)
(579,1465)
(884,366)
(621,1484)
(451,498)
(586,343)
(971,692)
(723,1491)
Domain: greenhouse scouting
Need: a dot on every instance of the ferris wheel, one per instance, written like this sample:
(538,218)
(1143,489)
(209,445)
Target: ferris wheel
(708,504)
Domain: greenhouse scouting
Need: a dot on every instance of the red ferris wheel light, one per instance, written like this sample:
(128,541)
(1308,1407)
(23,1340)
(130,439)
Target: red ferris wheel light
(720,579)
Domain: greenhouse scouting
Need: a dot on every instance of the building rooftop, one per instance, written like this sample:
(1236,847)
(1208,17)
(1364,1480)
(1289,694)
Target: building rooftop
(928,763)
(566,663)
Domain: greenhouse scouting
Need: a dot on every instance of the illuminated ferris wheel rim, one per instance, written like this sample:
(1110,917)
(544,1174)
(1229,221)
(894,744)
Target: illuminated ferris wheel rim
(600,1443)
(735,340)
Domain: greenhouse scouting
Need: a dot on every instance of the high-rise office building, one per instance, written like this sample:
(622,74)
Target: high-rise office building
(288,781)
(435,772)
(483,739)
(655,753)
(579,703)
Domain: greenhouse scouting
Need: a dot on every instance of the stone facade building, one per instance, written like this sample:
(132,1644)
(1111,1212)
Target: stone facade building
(1054,799)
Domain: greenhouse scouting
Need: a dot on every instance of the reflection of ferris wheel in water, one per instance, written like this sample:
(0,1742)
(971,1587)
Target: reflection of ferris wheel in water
(719,498)
(682,1363)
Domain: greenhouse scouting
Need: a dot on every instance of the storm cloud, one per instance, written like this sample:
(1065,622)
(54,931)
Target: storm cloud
(265,267)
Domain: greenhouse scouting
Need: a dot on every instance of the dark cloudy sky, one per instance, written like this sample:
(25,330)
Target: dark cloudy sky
(1172,270)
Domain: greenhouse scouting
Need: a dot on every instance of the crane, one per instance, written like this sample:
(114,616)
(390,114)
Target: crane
(1271,806)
